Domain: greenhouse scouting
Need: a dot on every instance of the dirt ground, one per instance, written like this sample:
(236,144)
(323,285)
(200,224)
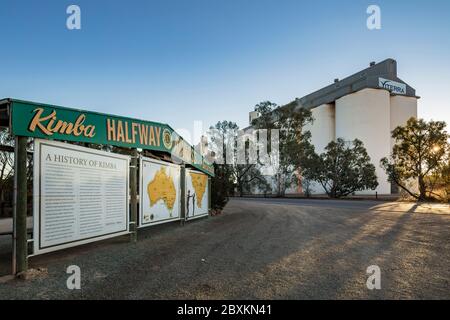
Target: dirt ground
(263,249)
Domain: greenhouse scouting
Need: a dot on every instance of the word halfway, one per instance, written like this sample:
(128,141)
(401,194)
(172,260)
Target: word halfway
(120,132)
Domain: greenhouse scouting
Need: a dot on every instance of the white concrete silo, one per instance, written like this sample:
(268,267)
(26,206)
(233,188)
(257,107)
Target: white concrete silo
(365,115)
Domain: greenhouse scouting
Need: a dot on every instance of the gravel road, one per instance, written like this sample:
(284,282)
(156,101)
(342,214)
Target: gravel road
(263,249)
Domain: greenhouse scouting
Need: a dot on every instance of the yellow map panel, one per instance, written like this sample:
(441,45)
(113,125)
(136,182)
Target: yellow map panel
(199,182)
(162,188)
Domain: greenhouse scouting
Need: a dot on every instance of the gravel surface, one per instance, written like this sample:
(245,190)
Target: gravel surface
(262,250)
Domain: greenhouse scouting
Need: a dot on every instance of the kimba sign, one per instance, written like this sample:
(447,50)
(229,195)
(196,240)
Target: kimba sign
(392,86)
(58,123)
(50,124)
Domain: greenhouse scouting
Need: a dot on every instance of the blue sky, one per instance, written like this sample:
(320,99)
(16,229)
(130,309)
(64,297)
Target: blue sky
(208,60)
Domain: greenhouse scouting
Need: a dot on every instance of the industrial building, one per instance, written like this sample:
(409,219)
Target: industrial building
(367,105)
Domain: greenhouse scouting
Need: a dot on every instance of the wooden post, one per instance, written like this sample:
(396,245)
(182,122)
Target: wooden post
(183,193)
(133,195)
(20,209)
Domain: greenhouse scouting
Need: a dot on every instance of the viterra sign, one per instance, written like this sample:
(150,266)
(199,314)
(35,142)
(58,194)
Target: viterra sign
(392,86)
(59,123)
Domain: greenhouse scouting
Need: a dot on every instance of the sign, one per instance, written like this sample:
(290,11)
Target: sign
(80,195)
(159,192)
(196,194)
(392,86)
(57,123)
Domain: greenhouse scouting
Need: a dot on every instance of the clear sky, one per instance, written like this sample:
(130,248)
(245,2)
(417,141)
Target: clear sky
(178,61)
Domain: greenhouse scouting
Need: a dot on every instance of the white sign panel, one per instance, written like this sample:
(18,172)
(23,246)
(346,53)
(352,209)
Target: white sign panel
(196,194)
(80,195)
(392,86)
(159,192)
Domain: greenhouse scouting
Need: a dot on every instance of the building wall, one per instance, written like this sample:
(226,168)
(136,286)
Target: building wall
(322,133)
(402,108)
(323,128)
(365,115)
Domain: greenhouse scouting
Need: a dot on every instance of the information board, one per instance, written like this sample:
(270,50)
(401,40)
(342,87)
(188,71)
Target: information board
(159,192)
(196,194)
(80,195)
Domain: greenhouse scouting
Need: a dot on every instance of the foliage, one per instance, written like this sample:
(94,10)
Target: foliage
(342,169)
(6,158)
(445,180)
(231,174)
(289,121)
(421,155)
(221,187)
(6,171)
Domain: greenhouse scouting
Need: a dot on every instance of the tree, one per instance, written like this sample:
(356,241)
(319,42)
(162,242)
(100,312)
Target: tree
(289,121)
(6,167)
(420,152)
(6,157)
(445,178)
(306,185)
(230,175)
(222,183)
(248,178)
(221,186)
(342,169)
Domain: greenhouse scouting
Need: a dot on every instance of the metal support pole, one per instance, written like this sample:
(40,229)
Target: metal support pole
(183,194)
(20,243)
(133,195)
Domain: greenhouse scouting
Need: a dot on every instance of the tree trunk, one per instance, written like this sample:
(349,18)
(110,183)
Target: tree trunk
(333,192)
(2,203)
(278,186)
(422,189)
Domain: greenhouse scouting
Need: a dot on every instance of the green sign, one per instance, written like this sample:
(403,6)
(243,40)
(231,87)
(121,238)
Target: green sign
(58,123)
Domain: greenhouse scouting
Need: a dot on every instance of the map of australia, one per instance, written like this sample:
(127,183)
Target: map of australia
(162,188)
(199,182)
